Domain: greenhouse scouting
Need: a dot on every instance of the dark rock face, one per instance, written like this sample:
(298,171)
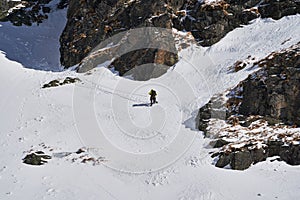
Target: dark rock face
(274,90)
(97,20)
(258,155)
(56,83)
(144,56)
(220,143)
(92,21)
(277,9)
(223,160)
(213,109)
(203,117)
(211,22)
(291,155)
(37,158)
(141,53)
(4,7)
(31,12)
(243,158)
(270,95)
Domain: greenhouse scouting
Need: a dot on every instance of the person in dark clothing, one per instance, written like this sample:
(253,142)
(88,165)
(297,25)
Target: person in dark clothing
(152,94)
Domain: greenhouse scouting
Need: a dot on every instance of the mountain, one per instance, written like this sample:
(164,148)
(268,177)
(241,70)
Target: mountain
(227,81)
(208,23)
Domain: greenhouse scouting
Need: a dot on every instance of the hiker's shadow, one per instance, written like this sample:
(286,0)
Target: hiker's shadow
(141,105)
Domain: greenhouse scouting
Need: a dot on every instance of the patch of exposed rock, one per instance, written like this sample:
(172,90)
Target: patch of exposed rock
(81,156)
(56,83)
(36,158)
(28,12)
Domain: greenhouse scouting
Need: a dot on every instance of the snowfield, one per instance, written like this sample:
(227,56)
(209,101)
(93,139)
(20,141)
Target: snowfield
(36,46)
(139,152)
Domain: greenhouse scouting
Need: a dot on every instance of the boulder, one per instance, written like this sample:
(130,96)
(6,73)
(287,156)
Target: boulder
(220,143)
(291,155)
(241,160)
(37,158)
(258,155)
(223,160)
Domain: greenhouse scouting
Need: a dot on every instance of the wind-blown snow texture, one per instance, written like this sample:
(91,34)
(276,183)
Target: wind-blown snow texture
(58,120)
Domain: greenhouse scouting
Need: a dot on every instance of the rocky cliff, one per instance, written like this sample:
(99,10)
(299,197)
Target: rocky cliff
(258,118)
(212,21)
(92,21)
(273,91)
(28,12)
(96,20)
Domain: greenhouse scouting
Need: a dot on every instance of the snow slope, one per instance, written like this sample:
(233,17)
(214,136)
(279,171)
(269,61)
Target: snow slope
(36,46)
(149,153)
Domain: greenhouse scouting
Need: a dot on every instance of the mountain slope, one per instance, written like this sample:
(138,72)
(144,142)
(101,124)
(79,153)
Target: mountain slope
(36,46)
(149,153)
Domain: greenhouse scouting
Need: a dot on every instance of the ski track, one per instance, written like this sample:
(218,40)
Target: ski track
(31,116)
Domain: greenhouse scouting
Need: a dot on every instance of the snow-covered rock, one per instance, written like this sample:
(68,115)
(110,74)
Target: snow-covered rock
(248,131)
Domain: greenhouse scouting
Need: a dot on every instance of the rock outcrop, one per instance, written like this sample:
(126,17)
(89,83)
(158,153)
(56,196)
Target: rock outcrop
(97,20)
(4,7)
(273,91)
(278,9)
(243,158)
(36,158)
(56,82)
(90,22)
(29,12)
(261,114)
(212,21)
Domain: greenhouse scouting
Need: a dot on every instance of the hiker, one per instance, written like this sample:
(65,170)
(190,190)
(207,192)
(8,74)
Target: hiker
(152,94)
